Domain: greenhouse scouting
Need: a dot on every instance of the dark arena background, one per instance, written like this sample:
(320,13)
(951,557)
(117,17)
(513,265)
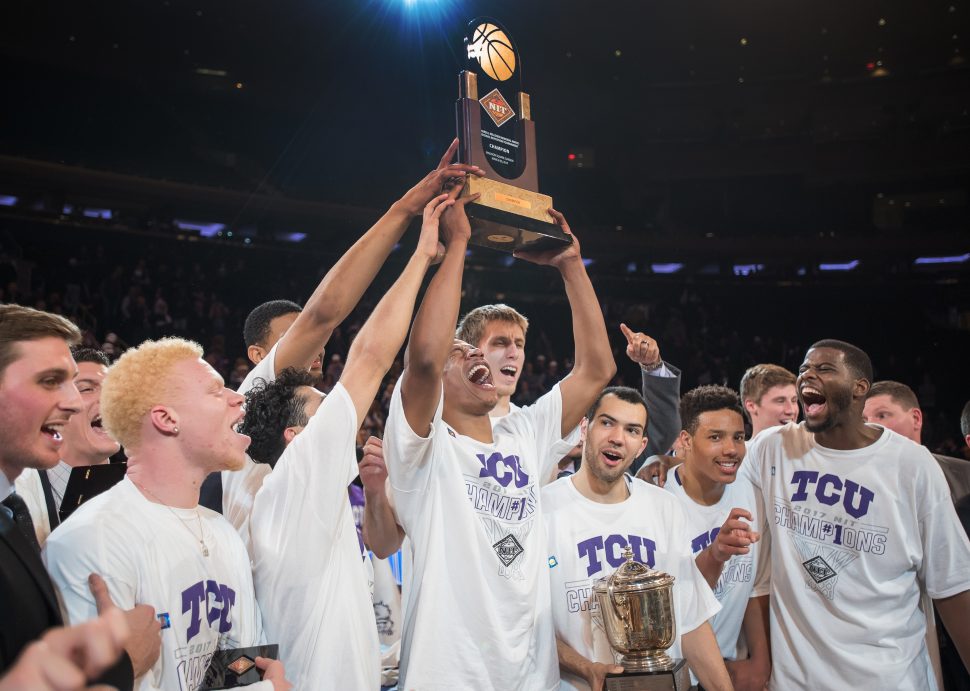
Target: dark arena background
(745,177)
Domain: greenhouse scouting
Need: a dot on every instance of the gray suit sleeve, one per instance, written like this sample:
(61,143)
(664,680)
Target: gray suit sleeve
(663,404)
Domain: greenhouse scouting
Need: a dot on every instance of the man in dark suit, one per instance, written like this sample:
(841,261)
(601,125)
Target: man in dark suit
(37,398)
(894,406)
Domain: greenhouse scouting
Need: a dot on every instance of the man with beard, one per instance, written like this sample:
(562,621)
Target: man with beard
(596,513)
(85,443)
(862,521)
(466,491)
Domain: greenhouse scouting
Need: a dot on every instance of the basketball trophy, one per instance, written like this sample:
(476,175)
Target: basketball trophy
(511,213)
(637,607)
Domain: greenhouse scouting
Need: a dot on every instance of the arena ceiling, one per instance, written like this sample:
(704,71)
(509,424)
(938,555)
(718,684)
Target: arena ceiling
(698,121)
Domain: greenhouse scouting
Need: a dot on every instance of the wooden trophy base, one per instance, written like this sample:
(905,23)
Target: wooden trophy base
(509,218)
(675,679)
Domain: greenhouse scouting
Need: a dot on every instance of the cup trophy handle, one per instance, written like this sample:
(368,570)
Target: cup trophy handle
(620,604)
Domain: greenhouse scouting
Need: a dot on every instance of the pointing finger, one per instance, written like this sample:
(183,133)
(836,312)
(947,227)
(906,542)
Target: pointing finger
(626,332)
(449,154)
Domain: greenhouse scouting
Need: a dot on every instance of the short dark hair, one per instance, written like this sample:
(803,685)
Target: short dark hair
(899,392)
(256,327)
(84,354)
(705,399)
(271,407)
(965,419)
(856,358)
(624,393)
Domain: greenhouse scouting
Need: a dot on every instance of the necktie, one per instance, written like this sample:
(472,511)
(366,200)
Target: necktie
(21,516)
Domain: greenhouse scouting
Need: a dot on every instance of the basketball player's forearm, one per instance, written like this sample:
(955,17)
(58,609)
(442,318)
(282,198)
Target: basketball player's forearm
(382,335)
(594,365)
(340,291)
(432,337)
(570,660)
(434,326)
(343,286)
(382,535)
(709,567)
(593,357)
(955,613)
(704,657)
(755,627)
(380,338)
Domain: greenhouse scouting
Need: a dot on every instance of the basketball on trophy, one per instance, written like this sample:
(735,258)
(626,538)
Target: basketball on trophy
(494,51)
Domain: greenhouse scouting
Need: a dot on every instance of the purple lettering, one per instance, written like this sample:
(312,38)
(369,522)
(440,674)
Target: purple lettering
(192,598)
(648,545)
(865,498)
(510,469)
(614,550)
(829,497)
(228,602)
(589,550)
(803,477)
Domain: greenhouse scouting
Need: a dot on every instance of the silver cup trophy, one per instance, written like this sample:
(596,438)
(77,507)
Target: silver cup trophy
(637,607)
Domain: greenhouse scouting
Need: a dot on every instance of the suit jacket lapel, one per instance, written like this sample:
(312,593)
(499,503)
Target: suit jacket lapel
(28,556)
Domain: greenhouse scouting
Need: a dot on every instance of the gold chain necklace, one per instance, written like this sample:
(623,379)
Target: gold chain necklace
(200,538)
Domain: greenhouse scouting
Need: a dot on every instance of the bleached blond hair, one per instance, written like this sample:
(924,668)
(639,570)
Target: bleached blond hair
(140,379)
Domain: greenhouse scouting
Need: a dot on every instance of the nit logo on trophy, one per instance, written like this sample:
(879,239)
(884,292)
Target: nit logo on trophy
(497,107)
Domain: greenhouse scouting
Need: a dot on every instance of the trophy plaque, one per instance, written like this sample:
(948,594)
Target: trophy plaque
(637,607)
(497,134)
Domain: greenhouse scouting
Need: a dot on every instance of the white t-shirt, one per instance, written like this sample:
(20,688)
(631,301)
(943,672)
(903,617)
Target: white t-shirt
(586,540)
(854,533)
(476,599)
(150,554)
(555,453)
(239,487)
(307,564)
(744,575)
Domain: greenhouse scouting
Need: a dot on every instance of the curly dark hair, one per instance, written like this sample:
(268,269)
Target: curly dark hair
(271,408)
(705,399)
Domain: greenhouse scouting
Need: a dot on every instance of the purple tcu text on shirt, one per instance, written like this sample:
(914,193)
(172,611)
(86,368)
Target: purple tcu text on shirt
(593,550)
(510,469)
(704,540)
(829,491)
(217,601)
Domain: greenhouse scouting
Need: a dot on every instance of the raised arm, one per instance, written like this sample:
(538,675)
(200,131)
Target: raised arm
(382,534)
(380,338)
(661,391)
(594,365)
(434,326)
(341,289)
